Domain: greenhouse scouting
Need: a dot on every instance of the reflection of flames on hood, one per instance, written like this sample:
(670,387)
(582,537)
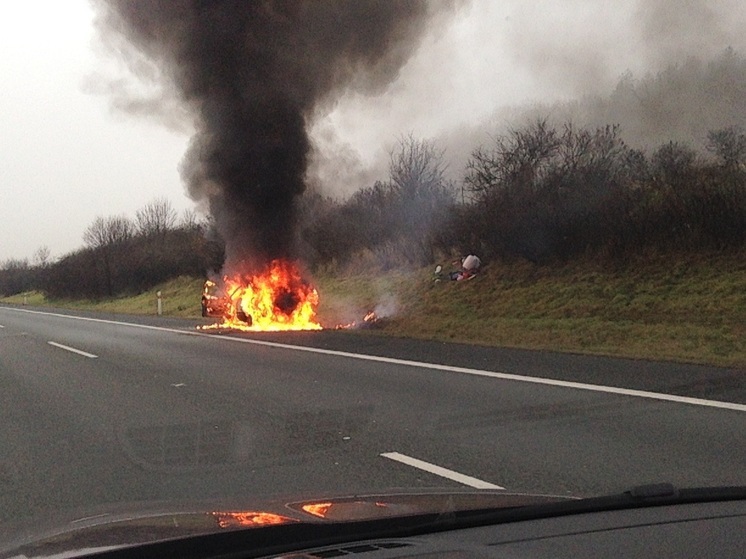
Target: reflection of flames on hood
(248,519)
(346,509)
(276,299)
(317,509)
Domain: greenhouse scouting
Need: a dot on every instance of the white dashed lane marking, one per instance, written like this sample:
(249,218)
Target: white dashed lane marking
(440,471)
(73,350)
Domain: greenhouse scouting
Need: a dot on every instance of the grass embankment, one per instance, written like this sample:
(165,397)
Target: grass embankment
(181,298)
(692,308)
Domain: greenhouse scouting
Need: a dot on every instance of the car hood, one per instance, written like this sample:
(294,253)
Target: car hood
(131,524)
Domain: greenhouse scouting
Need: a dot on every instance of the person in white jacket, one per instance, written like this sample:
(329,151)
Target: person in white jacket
(469,268)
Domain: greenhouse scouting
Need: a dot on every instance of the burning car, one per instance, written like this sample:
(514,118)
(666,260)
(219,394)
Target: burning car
(214,301)
(277,298)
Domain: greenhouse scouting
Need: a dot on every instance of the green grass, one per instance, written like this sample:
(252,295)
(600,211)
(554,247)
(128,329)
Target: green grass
(27,298)
(688,308)
(181,298)
(691,308)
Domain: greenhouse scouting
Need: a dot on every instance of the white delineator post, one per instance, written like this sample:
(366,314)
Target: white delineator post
(160,302)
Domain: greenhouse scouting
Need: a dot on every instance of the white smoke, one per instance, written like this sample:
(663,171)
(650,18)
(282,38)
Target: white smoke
(494,60)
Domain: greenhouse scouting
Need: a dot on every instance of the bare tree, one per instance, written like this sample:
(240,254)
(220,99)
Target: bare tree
(105,235)
(190,221)
(156,217)
(420,195)
(517,161)
(416,167)
(108,231)
(672,164)
(15,276)
(729,145)
(41,256)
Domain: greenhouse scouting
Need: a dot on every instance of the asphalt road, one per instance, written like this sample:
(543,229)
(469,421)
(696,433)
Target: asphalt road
(102,409)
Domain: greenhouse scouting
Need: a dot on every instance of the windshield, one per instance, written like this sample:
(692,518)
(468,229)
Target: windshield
(267,253)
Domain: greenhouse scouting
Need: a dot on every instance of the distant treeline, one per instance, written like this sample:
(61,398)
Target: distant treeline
(543,194)
(539,192)
(121,256)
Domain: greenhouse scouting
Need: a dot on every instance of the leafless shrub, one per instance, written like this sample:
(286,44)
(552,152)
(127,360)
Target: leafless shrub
(516,161)
(190,221)
(15,276)
(156,217)
(41,256)
(108,231)
(397,218)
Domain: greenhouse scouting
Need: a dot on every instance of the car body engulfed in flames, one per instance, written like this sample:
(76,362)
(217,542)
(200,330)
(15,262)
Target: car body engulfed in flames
(214,300)
(277,298)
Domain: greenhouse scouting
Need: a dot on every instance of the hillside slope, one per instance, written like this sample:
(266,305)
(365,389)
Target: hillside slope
(688,308)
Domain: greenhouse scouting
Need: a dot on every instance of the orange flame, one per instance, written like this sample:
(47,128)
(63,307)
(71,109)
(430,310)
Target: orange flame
(277,299)
(370,318)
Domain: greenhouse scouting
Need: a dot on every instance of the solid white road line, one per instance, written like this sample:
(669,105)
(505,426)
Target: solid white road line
(439,471)
(88,518)
(1,326)
(434,366)
(73,350)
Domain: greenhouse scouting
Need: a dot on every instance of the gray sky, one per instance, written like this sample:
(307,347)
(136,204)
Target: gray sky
(66,156)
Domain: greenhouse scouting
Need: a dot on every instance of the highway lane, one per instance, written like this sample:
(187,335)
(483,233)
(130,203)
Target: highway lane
(169,414)
(672,378)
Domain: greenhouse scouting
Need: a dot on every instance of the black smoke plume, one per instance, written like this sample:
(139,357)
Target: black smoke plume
(253,73)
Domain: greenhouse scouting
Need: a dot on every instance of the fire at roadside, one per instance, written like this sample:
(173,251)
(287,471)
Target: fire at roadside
(277,299)
(370,320)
